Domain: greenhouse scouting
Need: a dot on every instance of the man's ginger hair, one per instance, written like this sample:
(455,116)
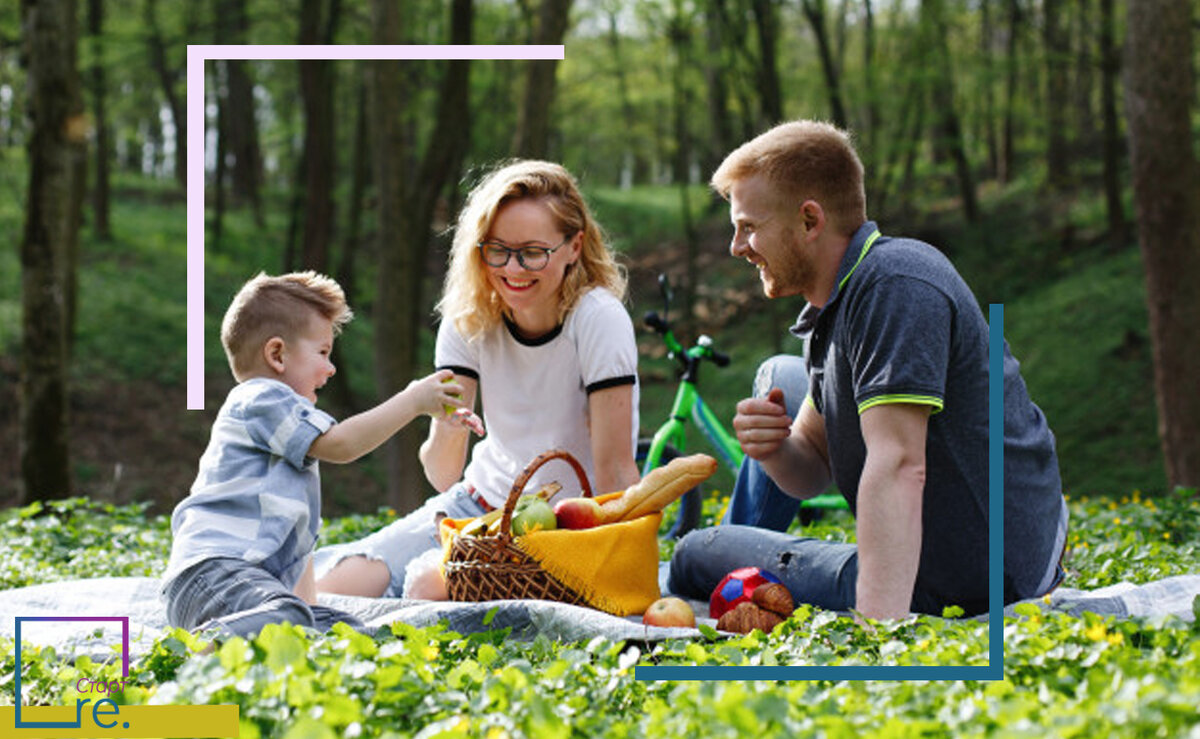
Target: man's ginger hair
(281,306)
(803,160)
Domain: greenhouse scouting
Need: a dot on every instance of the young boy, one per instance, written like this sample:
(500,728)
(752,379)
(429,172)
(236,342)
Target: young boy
(243,538)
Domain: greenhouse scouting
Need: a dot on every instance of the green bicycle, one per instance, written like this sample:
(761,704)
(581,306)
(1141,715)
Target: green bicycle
(671,436)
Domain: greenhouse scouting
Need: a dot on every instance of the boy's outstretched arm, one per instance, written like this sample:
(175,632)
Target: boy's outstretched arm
(357,435)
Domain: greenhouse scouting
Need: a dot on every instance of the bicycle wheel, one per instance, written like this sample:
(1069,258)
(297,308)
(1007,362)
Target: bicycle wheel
(687,515)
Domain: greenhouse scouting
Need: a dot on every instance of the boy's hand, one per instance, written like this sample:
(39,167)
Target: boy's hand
(437,394)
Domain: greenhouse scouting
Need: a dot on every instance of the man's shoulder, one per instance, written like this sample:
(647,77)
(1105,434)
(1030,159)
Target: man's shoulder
(905,256)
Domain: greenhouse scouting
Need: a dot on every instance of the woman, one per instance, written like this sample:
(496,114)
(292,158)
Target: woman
(532,322)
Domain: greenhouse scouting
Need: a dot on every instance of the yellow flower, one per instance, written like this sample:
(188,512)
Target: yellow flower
(391,512)
(1096,632)
(1166,535)
(1046,598)
(1116,639)
(1117,521)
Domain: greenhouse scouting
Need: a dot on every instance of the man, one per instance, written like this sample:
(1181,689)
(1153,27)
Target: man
(897,407)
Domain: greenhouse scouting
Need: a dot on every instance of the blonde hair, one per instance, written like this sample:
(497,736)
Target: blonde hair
(281,306)
(467,298)
(803,160)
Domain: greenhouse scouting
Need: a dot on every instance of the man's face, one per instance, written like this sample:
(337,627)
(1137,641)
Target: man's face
(767,232)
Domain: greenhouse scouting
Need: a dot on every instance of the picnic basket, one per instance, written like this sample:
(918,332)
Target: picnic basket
(613,567)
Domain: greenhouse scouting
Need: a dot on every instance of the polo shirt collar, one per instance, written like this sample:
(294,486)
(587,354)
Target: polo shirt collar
(862,241)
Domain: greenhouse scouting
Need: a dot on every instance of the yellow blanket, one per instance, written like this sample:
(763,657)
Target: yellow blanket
(614,567)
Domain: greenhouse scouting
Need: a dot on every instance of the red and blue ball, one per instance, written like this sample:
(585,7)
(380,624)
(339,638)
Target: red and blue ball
(736,587)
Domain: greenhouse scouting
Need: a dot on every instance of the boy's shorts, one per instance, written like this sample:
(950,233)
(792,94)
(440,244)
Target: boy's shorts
(239,598)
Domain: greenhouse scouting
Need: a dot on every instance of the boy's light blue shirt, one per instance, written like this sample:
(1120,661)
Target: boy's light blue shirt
(257,496)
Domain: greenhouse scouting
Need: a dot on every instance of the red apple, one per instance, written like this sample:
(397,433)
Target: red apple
(669,611)
(577,513)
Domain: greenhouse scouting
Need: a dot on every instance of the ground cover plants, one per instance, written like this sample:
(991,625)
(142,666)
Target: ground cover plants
(1064,675)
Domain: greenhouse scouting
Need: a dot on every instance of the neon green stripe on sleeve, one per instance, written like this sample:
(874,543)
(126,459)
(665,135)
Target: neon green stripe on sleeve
(931,400)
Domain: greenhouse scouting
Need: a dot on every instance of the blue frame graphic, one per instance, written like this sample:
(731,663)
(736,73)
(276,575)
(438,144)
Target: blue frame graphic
(18,723)
(994,669)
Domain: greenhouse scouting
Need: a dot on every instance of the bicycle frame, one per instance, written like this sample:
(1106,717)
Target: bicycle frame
(689,404)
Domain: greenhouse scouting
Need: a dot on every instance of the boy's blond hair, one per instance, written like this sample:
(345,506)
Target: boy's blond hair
(281,306)
(467,298)
(803,160)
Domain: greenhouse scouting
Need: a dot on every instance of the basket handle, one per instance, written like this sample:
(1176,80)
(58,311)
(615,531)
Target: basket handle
(523,479)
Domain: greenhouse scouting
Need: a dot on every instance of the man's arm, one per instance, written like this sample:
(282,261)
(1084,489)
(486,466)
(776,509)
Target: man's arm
(795,455)
(611,424)
(890,494)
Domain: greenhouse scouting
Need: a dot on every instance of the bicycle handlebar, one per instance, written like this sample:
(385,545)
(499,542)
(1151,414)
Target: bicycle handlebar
(656,322)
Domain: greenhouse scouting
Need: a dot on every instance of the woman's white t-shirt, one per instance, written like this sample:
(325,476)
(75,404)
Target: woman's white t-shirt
(534,393)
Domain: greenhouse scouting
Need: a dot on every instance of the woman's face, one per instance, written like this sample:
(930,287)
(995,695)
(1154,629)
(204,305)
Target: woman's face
(528,227)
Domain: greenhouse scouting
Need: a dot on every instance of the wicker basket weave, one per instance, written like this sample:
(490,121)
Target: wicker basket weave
(480,568)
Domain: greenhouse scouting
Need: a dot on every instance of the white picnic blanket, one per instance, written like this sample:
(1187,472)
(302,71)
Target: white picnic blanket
(137,598)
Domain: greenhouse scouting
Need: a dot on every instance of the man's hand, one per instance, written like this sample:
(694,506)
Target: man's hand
(793,454)
(762,424)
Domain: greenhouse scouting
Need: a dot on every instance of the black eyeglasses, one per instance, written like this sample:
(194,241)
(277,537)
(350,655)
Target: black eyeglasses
(532,258)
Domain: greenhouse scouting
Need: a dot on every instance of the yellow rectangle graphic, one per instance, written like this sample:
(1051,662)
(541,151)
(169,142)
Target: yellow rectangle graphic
(109,719)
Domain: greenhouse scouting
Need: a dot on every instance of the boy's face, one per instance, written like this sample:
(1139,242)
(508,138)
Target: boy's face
(304,362)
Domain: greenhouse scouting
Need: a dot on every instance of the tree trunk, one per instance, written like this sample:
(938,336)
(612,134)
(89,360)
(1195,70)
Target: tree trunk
(532,138)
(716,70)
(949,125)
(1110,69)
(814,10)
(100,190)
(1158,94)
(57,139)
(986,33)
(766,23)
(634,165)
(340,387)
(1008,131)
(168,76)
(1057,160)
(681,41)
(1083,87)
(405,215)
(216,225)
(316,89)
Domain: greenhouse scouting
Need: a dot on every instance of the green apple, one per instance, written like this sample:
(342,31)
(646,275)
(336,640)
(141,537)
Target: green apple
(532,515)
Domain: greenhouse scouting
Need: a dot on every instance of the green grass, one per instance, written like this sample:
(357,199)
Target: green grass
(1064,675)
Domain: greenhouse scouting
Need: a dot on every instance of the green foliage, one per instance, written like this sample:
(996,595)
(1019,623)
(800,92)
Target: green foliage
(1064,676)
(1085,356)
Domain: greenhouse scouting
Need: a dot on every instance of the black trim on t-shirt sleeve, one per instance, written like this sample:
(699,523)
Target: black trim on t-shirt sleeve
(611,382)
(464,371)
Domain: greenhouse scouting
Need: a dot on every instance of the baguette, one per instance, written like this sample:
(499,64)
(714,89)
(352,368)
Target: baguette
(658,489)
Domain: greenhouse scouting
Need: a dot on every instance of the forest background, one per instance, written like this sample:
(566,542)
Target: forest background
(1048,147)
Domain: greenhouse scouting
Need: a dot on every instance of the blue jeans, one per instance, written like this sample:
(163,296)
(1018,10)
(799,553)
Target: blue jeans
(404,540)
(756,499)
(823,573)
(239,598)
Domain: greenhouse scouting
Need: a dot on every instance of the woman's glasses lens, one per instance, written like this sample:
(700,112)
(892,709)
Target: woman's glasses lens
(532,258)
